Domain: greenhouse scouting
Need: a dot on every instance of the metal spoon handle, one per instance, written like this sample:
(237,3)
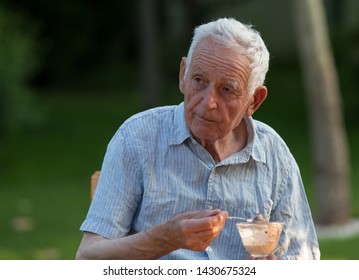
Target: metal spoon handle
(239,218)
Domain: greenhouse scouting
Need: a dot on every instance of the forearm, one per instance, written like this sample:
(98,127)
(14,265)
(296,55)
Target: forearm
(149,244)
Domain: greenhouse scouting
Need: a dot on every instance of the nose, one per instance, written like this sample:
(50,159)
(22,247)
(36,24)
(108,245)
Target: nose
(210,98)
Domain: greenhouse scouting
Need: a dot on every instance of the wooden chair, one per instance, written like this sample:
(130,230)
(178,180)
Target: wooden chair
(94,181)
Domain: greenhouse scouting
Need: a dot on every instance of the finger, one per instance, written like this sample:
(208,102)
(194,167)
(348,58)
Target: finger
(205,213)
(209,232)
(211,223)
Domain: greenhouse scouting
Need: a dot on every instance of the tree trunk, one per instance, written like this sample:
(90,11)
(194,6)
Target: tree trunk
(326,122)
(149,62)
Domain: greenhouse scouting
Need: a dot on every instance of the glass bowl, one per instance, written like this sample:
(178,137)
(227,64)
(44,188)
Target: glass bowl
(260,238)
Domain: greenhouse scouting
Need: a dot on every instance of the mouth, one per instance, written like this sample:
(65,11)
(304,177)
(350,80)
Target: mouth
(205,119)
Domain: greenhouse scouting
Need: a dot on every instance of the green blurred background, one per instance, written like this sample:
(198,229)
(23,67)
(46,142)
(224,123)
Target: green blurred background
(70,75)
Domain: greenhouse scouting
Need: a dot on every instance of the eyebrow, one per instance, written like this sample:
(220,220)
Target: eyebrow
(234,84)
(198,70)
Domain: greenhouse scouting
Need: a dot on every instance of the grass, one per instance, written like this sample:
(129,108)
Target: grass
(338,249)
(45,171)
(46,174)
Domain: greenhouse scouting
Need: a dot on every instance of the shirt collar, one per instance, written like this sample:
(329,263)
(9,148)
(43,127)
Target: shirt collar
(258,152)
(254,147)
(180,131)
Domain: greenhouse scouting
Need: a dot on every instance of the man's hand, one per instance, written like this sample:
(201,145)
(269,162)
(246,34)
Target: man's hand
(195,230)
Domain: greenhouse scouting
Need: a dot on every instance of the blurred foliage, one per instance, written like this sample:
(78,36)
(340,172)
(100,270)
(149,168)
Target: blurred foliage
(346,49)
(87,41)
(96,43)
(87,36)
(19,62)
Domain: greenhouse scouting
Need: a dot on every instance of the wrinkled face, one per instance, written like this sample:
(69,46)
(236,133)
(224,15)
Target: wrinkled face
(215,91)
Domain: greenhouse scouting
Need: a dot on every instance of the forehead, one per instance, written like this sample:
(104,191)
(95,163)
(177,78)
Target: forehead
(210,55)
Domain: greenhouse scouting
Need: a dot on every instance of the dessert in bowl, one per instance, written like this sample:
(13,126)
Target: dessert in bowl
(260,238)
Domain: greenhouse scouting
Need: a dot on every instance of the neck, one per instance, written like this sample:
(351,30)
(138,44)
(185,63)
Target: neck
(232,143)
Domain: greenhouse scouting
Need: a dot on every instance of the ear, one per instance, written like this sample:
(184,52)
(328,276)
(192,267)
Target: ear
(257,99)
(181,74)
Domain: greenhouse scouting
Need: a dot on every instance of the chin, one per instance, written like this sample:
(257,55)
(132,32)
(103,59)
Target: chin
(204,134)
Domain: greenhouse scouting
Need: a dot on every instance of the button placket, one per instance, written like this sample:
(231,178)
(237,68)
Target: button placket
(212,201)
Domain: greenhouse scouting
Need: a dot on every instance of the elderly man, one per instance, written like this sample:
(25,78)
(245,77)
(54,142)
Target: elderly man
(172,175)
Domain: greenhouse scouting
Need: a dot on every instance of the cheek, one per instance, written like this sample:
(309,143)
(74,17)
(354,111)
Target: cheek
(188,108)
(192,99)
(234,116)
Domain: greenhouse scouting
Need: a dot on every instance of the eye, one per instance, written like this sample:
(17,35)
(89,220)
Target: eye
(227,90)
(199,82)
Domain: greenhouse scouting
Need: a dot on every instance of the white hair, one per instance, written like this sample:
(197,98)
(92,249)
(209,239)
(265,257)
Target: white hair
(234,34)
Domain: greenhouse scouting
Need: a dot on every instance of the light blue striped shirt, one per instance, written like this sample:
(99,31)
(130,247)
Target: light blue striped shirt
(153,169)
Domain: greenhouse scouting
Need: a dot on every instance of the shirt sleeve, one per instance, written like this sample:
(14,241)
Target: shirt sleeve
(118,192)
(298,239)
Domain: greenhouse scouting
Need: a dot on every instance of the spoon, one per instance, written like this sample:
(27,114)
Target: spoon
(240,218)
